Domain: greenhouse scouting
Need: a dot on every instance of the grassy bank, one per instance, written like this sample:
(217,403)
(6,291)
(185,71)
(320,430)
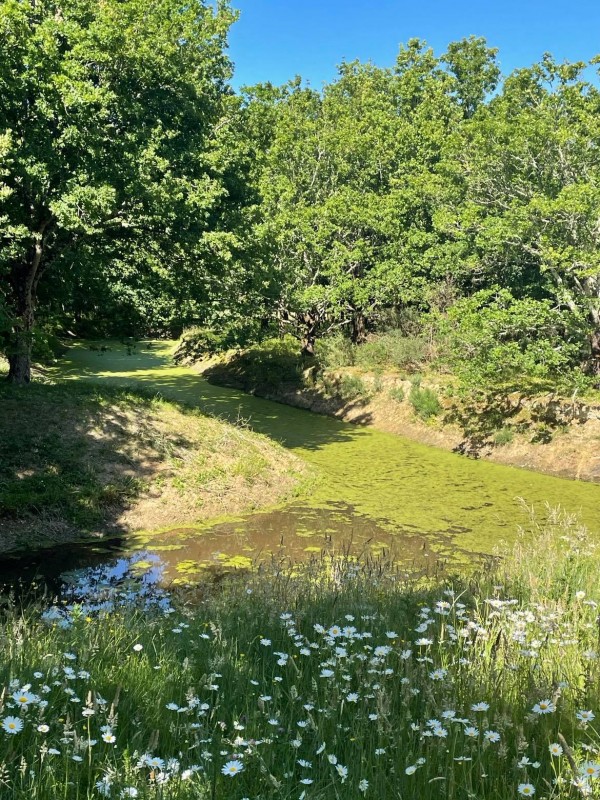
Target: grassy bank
(77,461)
(336,681)
(390,382)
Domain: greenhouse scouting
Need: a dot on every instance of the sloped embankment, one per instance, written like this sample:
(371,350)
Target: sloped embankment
(79,461)
(545,432)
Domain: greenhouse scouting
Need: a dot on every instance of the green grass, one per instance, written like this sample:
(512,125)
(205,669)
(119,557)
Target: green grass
(335,679)
(45,439)
(74,459)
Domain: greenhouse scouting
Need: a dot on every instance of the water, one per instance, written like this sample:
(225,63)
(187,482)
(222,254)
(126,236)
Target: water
(376,493)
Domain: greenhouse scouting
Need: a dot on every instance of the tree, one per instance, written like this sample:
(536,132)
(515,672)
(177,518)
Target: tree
(349,190)
(529,166)
(108,168)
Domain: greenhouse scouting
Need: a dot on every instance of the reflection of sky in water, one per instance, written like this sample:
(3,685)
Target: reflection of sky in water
(126,581)
(286,536)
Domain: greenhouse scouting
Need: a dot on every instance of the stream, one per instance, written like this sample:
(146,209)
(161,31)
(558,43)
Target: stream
(377,495)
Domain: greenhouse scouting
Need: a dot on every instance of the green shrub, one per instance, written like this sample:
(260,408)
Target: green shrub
(351,386)
(397,394)
(424,402)
(263,367)
(504,436)
(392,349)
(494,338)
(200,342)
(335,351)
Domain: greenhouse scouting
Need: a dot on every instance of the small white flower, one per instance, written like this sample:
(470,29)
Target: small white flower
(585,716)
(526,789)
(543,707)
(232,768)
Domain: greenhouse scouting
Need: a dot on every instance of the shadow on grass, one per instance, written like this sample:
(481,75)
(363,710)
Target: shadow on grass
(153,373)
(72,459)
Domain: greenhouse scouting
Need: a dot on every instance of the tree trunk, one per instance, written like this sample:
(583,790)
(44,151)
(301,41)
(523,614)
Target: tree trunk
(23,280)
(358,327)
(310,334)
(595,352)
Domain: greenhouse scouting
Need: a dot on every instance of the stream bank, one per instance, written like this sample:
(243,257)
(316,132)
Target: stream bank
(546,433)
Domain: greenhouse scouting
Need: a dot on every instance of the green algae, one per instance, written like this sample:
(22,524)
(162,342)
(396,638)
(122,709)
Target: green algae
(398,486)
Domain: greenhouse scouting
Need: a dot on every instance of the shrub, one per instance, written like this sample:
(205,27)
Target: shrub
(424,401)
(335,351)
(393,349)
(504,436)
(397,394)
(494,338)
(351,387)
(263,367)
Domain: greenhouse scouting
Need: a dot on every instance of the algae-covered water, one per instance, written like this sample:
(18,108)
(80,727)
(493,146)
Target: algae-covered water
(374,491)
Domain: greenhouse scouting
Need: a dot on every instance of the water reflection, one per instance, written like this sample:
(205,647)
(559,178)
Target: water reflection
(286,536)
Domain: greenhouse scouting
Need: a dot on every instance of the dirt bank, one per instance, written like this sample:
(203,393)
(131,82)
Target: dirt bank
(546,433)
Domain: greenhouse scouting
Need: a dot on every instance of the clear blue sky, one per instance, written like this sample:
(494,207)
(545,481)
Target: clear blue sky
(274,40)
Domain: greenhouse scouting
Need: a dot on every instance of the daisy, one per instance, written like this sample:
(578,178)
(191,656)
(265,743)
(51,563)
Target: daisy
(555,749)
(585,716)
(25,699)
(544,707)
(12,724)
(590,769)
(526,789)
(232,768)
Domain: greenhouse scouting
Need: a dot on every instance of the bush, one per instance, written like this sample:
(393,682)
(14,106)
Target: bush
(392,349)
(397,394)
(424,401)
(200,342)
(351,387)
(504,436)
(263,367)
(494,338)
(335,351)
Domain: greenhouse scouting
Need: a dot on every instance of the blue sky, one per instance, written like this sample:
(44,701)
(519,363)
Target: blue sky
(277,39)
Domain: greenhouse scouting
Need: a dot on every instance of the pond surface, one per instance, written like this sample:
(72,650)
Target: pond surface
(376,493)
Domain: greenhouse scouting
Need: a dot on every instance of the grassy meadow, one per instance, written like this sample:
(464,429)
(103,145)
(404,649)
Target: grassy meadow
(331,680)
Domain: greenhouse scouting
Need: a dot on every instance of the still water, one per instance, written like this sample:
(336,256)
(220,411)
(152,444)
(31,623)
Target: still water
(376,494)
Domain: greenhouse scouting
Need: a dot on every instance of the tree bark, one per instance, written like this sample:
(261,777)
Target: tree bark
(309,337)
(595,352)
(24,283)
(358,327)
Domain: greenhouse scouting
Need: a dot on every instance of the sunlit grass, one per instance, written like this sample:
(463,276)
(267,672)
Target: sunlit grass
(333,680)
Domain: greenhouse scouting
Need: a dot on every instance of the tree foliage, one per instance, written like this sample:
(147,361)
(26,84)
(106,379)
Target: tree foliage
(139,193)
(110,180)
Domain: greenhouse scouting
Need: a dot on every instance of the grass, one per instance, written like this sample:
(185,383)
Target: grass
(75,460)
(332,680)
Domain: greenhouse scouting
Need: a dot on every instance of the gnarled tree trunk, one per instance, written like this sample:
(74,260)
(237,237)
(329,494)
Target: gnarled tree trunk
(358,327)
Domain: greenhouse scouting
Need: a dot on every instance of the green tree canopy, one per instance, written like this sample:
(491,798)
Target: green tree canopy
(109,173)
